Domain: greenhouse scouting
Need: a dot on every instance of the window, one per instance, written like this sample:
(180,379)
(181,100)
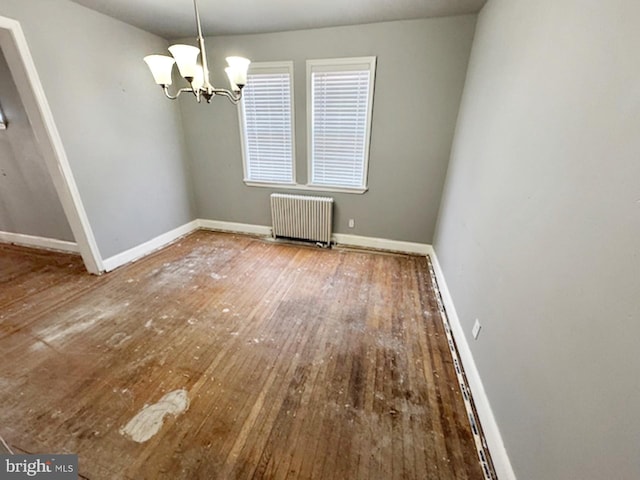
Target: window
(266,119)
(339,106)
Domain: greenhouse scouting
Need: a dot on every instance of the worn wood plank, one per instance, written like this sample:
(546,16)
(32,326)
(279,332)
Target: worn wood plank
(299,363)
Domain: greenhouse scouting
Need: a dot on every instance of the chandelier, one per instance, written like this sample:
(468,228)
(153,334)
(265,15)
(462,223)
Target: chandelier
(197,74)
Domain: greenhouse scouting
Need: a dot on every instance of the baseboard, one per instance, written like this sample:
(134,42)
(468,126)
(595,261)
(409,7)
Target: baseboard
(148,247)
(39,242)
(381,244)
(338,238)
(499,455)
(233,227)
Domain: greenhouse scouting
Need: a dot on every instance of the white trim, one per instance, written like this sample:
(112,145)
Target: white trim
(148,247)
(381,244)
(325,188)
(3,122)
(269,67)
(339,64)
(338,238)
(343,63)
(165,239)
(499,455)
(310,188)
(253,183)
(18,56)
(39,242)
(220,226)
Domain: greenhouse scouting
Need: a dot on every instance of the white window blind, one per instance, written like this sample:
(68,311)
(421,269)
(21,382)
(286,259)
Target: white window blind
(266,124)
(341,101)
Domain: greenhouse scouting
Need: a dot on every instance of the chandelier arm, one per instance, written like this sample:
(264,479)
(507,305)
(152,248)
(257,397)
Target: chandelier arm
(165,88)
(233,97)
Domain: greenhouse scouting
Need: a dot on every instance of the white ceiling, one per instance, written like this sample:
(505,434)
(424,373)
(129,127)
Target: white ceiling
(175,18)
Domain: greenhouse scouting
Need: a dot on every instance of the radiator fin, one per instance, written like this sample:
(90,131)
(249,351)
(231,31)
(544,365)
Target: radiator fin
(303,217)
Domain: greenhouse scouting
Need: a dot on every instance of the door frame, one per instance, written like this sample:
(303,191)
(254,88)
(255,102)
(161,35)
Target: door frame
(16,51)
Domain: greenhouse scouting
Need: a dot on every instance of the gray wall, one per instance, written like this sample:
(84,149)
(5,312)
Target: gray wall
(539,227)
(123,139)
(413,122)
(28,200)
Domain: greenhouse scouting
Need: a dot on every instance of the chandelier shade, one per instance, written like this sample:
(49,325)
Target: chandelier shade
(237,70)
(196,73)
(161,67)
(230,75)
(186,58)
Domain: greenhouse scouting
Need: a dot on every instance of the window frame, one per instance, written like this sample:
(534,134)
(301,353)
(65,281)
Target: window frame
(269,67)
(340,64)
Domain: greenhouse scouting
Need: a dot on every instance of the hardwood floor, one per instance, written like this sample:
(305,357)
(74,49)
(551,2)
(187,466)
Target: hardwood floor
(295,363)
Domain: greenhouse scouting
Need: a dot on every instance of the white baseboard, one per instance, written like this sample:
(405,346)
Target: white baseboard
(499,455)
(381,244)
(233,227)
(148,247)
(338,238)
(39,242)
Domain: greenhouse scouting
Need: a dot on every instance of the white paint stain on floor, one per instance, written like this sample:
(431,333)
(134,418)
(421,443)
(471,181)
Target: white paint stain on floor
(150,419)
(118,339)
(59,332)
(150,325)
(79,320)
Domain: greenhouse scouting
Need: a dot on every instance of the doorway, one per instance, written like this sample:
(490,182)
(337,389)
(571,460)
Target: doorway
(18,58)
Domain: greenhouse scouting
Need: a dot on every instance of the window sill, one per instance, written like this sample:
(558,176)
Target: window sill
(307,187)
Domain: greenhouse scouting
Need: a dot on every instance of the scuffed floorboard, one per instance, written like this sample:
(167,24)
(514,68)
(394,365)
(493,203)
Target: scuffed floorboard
(295,363)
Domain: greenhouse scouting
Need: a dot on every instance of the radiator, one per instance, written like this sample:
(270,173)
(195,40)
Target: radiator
(302,217)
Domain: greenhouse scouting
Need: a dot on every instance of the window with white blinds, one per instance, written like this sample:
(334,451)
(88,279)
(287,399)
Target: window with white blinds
(340,100)
(266,113)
